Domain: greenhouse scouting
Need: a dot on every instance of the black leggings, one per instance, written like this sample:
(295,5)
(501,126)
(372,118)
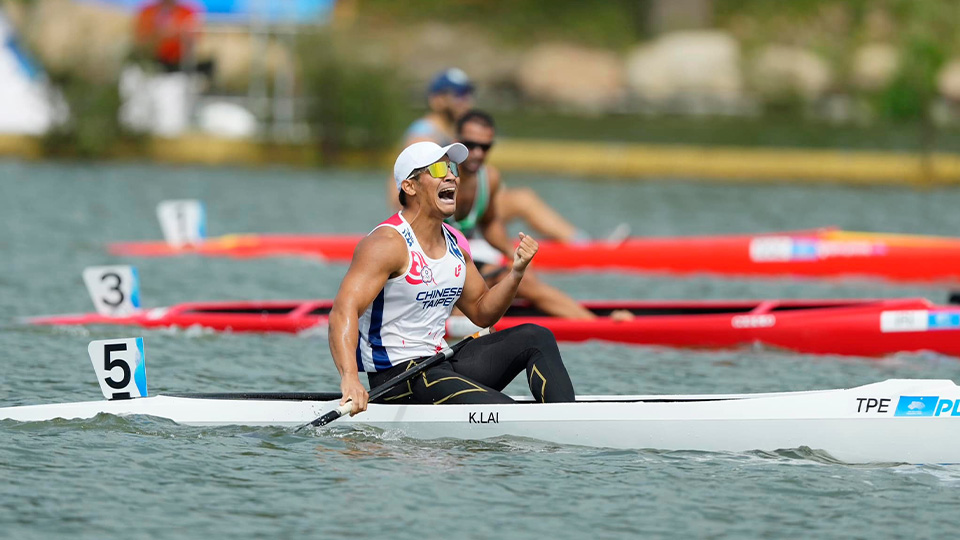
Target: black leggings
(484,367)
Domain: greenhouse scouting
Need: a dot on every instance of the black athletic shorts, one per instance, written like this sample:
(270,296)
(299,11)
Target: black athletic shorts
(480,371)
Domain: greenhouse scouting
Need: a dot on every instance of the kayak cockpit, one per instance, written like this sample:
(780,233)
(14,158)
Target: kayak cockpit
(331,396)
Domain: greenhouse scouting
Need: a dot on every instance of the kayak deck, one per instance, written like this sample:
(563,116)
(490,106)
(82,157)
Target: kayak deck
(913,421)
(856,327)
(818,253)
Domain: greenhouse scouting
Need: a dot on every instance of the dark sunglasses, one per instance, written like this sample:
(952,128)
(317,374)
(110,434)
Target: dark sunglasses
(471,145)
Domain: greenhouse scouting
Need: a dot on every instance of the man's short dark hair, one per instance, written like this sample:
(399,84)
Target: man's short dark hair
(402,197)
(475,116)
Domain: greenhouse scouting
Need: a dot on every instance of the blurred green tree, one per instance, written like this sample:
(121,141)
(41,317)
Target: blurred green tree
(91,128)
(612,23)
(928,32)
(352,106)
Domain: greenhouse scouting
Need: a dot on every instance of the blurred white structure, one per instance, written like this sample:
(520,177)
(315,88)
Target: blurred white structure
(24,107)
(225,119)
(155,103)
(169,104)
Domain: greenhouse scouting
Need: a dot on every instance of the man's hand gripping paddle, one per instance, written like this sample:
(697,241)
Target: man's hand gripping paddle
(381,390)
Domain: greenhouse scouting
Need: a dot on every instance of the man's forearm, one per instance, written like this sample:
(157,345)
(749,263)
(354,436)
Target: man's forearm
(343,344)
(495,302)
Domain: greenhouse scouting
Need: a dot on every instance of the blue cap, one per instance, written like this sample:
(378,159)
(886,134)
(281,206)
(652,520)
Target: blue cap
(451,80)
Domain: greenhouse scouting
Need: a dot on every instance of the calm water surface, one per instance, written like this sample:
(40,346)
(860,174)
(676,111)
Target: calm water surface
(147,478)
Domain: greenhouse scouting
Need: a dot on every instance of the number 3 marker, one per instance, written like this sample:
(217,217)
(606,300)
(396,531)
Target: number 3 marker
(115,290)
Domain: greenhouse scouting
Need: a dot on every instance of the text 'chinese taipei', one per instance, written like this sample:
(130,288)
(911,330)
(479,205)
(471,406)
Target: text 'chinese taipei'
(439,297)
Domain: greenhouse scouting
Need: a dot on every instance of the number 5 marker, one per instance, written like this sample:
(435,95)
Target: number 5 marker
(121,367)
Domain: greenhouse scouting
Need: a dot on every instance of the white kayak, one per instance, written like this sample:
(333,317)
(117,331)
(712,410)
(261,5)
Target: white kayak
(898,420)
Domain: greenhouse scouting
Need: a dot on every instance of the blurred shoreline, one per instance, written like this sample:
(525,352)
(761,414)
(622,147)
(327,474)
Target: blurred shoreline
(626,161)
(814,90)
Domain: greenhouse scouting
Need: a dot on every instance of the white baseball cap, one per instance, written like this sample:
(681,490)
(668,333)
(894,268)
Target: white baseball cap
(421,154)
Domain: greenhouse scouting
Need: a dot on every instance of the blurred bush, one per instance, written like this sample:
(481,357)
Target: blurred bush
(92,128)
(886,52)
(352,106)
(612,23)
(928,35)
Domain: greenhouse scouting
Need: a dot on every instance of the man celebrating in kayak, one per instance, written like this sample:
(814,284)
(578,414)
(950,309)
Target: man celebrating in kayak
(477,217)
(404,280)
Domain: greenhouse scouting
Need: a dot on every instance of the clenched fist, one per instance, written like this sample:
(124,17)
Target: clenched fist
(525,251)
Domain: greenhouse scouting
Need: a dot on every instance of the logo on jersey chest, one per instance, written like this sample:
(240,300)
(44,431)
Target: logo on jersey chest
(419,271)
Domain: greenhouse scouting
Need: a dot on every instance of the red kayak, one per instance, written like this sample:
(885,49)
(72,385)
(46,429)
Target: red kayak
(848,327)
(827,252)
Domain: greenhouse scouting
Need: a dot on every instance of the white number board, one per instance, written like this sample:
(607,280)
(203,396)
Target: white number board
(184,222)
(115,290)
(120,366)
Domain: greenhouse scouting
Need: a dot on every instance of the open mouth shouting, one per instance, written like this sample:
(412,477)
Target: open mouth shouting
(448,194)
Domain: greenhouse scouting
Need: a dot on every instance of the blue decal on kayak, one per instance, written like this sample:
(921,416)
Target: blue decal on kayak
(140,374)
(916,405)
(804,250)
(943,320)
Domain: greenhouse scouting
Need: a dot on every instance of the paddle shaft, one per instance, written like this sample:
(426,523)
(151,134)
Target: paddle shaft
(381,390)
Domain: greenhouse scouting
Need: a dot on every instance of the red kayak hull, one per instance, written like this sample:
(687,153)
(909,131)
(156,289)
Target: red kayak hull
(844,327)
(819,253)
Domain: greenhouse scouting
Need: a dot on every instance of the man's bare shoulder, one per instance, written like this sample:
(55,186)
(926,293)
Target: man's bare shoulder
(383,238)
(384,246)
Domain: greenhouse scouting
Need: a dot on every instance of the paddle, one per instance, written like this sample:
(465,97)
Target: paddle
(381,390)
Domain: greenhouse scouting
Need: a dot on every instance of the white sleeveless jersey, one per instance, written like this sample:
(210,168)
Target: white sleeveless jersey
(407,319)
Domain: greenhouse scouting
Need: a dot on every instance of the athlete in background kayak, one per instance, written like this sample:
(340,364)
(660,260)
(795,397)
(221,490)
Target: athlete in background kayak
(405,278)
(450,96)
(477,217)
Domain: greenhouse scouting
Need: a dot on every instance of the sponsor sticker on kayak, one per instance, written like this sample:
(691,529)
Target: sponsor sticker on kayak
(753,321)
(916,405)
(927,406)
(919,320)
(797,249)
(782,249)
